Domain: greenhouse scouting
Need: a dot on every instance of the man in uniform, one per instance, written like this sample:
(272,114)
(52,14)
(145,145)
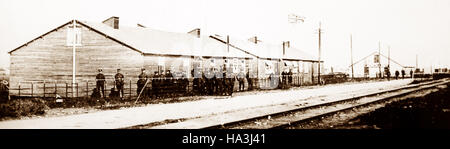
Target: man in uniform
(224,85)
(396,74)
(141,83)
(119,83)
(411,74)
(219,81)
(283,79)
(230,82)
(403,74)
(214,83)
(249,80)
(100,82)
(241,80)
(208,82)
(155,84)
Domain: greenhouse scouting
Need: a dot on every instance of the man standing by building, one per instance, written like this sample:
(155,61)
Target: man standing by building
(100,82)
(241,77)
(411,74)
(396,75)
(119,83)
(249,80)
(141,83)
(403,74)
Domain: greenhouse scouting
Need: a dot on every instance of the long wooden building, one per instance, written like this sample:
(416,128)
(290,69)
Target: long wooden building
(47,61)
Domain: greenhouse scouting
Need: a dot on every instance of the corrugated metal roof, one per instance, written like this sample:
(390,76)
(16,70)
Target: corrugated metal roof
(264,50)
(150,41)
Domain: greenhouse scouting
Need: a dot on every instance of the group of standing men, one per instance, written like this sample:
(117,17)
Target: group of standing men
(211,82)
(214,82)
(118,84)
(286,79)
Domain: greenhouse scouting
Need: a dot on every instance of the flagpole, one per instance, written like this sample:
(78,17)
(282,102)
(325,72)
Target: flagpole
(73,54)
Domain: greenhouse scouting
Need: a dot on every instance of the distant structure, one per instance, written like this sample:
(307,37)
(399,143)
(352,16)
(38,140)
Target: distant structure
(369,66)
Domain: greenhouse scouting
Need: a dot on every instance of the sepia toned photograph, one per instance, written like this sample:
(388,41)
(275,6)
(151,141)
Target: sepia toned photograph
(225,64)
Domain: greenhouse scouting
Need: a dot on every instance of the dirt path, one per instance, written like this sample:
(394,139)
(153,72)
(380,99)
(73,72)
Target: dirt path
(127,117)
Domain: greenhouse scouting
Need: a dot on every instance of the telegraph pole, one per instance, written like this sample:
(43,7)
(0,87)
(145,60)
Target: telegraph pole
(320,33)
(389,57)
(228,43)
(351,54)
(379,58)
(417,61)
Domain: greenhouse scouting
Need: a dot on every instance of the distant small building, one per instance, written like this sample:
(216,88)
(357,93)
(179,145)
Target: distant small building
(373,65)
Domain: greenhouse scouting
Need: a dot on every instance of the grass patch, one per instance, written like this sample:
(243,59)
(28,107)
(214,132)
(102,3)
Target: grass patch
(23,107)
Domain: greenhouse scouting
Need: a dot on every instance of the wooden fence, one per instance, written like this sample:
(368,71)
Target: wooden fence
(166,86)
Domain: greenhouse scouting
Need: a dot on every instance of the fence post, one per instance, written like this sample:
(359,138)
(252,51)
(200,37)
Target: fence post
(44,90)
(87,89)
(19,90)
(77,89)
(130,89)
(32,89)
(66,90)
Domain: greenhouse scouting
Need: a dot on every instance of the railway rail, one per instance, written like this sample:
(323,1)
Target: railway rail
(297,116)
(281,117)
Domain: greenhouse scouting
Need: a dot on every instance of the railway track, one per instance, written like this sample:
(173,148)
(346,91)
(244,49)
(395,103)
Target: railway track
(286,114)
(295,116)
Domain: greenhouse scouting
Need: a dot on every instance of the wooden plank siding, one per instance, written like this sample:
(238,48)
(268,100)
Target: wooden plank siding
(49,59)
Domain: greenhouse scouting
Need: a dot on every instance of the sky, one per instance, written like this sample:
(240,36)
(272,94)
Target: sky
(408,27)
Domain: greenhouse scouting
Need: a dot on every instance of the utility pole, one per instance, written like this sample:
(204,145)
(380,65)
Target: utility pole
(417,61)
(351,54)
(379,58)
(320,33)
(389,57)
(228,43)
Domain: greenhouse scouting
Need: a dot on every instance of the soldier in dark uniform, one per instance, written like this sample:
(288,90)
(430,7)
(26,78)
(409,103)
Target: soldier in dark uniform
(396,74)
(214,83)
(403,74)
(100,82)
(232,81)
(411,74)
(169,83)
(203,86)
(388,73)
(119,83)
(208,82)
(219,84)
(162,84)
(231,78)
(241,80)
(223,80)
(141,83)
(155,84)
(195,82)
(249,81)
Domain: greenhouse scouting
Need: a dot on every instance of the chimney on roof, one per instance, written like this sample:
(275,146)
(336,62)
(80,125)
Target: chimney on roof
(253,39)
(140,25)
(112,21)
(195,32)
(286,44)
